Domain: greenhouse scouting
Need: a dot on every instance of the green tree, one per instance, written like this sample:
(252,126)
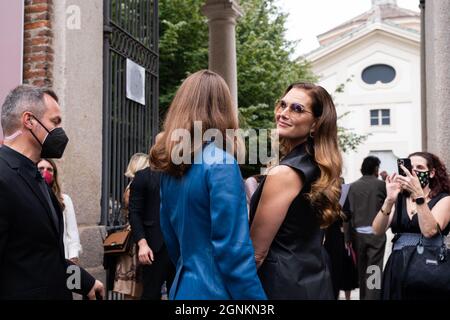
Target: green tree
(183,45)
(265,68)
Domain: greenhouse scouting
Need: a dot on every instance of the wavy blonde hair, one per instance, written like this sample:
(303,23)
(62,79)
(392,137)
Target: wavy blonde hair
(137,162)
(203,96)
(326,190)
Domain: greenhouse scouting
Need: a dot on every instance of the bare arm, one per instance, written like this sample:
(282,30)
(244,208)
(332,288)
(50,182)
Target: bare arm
(383,219)
(281,187)
(250,187)
(428,219)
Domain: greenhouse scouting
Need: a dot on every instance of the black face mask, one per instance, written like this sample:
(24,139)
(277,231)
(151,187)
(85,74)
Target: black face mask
(424,177)
(54,144)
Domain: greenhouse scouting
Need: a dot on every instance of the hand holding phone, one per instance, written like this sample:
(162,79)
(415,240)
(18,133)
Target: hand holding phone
(405,162)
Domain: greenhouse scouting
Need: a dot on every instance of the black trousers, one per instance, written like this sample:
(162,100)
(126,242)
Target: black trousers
(370,254)
(154,275)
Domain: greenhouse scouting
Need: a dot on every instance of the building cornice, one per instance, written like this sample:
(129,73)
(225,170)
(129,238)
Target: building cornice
(361,33)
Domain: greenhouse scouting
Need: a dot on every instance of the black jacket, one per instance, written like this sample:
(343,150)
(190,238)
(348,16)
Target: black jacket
(32,263)
(144,208)
(366,196)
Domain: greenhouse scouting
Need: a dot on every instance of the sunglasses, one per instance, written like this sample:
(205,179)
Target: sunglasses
(294,107)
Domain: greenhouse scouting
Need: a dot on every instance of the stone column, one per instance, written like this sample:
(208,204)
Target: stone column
(437,56)
(78,81)
(222,16)
(423,85)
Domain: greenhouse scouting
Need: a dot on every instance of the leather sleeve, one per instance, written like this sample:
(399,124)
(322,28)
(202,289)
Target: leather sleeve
(137,205)
(233,250)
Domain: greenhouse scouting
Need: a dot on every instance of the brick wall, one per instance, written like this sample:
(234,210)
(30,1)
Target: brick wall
(38,36)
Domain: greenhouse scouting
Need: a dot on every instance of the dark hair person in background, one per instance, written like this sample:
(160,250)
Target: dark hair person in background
(366,195)
(71,238)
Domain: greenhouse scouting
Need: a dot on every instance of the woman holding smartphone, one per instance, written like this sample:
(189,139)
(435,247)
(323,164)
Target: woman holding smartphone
(417,203)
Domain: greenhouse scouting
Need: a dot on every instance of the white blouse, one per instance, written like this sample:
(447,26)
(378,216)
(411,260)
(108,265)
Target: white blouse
(72,246)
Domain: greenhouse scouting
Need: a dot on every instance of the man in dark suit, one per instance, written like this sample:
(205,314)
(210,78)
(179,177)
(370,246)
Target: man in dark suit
(365,197)
(32,262)
(144,219)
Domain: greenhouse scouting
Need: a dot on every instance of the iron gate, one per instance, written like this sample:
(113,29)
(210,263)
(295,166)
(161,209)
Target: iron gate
(130,32)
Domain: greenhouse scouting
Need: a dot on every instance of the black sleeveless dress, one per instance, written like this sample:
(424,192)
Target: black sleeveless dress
(296,264)
(392,276)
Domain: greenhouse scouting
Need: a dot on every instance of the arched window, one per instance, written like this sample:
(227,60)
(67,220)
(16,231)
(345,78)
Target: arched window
(378,72)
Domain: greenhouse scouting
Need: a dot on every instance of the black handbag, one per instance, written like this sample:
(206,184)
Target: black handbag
(427,269)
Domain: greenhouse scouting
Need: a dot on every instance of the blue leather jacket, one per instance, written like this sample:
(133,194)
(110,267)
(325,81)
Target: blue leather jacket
(205,225)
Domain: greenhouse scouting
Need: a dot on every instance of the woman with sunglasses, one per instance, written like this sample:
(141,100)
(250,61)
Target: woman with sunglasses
(298,197)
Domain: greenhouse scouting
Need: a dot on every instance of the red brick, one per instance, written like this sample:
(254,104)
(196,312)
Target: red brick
(38,53)
(34,74)
(41,1)
(38,83)
(36,8)
(41,66)
(39,40)
(45,32)
(35,25)
(36,17)
(38,58)
(43,16)
(40,49)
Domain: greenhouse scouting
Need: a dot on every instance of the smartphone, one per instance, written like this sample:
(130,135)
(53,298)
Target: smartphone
(407,163)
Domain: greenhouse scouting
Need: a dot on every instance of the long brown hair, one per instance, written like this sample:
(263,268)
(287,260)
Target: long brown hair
(325,191)
(56,187)
(440,182)
(203,96)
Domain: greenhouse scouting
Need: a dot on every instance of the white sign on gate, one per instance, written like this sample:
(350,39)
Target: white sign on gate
(135,82)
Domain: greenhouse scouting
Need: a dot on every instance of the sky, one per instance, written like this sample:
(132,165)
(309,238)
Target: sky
(309,18)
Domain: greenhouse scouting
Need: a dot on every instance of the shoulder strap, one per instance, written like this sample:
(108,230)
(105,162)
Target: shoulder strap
(399,209)
(436,199)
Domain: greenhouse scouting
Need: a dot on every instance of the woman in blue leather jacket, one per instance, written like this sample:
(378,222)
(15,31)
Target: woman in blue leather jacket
(203,203)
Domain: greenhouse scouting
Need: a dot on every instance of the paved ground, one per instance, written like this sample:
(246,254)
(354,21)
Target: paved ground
(353,296)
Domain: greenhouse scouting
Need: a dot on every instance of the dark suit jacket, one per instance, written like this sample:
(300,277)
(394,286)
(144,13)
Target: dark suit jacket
(32,263)
(366,196)
(144,208)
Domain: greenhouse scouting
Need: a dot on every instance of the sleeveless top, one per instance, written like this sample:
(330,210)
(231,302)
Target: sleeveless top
(296,264)
(403,224)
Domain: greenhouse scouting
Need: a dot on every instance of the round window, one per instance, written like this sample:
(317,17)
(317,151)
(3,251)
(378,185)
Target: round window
(378,72)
